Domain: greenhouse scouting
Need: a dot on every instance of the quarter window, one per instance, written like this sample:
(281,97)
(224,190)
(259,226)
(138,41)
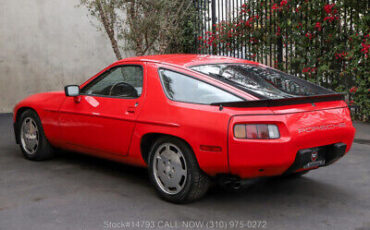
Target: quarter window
(179,87)
(122,81)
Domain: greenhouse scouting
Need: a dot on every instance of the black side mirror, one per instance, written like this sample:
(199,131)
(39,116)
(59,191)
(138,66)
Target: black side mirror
(72,90)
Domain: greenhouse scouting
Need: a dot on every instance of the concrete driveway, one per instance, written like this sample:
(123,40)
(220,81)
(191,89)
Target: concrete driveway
(79,192)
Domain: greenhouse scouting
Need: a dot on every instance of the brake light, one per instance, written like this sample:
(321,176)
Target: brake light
(256,131)
(252,132)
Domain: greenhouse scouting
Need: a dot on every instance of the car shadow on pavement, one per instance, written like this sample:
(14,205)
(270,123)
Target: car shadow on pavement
(301,189)
(103,166)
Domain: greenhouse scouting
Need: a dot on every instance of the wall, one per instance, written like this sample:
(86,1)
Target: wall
(45,45)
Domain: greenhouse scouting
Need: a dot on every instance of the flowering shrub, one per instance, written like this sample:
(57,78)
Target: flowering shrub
(321,42)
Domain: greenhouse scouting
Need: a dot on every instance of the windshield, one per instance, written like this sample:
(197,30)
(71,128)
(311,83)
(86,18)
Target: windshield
(261,81)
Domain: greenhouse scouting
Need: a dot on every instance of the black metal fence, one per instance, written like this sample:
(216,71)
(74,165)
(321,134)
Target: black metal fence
(276,52)
(213,12)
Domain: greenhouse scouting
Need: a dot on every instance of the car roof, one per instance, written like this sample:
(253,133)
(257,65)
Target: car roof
(186,60)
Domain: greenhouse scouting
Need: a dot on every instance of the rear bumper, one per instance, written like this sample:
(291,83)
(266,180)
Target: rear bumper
(280,160)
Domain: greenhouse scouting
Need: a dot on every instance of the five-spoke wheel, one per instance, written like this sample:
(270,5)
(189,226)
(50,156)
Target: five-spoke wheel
(174,171)
(170,170)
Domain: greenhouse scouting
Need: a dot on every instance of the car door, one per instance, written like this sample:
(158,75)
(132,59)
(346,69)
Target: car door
(102,119)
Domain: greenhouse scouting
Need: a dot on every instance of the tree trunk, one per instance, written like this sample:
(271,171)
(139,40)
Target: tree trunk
(115,47)
(109,29)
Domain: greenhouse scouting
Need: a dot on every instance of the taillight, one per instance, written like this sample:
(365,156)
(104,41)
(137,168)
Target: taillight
(256,131)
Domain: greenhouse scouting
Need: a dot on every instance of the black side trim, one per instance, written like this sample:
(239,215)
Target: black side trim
(284,101)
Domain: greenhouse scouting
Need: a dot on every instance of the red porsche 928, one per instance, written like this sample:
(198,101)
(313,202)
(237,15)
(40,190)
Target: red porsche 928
(191,118)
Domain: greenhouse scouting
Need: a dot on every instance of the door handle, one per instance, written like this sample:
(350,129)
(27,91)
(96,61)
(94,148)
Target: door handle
(131,109)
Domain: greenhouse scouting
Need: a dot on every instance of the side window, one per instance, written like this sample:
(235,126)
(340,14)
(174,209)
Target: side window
(179,87)
(122,81)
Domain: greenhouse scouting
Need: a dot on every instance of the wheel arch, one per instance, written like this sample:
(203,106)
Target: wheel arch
(21,110)
(148,139)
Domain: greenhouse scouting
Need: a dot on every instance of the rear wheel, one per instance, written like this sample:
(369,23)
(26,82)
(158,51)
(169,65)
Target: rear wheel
(33,142)
(174,171)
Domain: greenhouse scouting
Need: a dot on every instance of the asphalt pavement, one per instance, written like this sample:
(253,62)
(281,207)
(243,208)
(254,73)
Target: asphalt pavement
(75,191)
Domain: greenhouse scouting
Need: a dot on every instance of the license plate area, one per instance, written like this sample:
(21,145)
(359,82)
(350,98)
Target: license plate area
(313,164)
(314,157)
(317,157)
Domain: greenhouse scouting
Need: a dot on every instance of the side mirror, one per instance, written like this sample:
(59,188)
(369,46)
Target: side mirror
(72,90)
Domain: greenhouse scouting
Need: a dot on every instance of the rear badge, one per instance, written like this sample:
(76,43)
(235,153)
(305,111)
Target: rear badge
(314,155)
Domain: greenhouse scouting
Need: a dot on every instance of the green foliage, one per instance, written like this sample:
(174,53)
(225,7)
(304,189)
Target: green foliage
(325,43)
(185,38)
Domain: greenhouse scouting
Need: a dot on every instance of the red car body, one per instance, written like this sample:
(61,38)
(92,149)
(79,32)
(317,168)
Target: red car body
(122,129)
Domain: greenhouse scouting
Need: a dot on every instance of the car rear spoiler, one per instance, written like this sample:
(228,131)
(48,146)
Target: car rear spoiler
(284,101)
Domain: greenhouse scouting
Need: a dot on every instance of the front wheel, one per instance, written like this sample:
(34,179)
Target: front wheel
(174,171)
(33,142)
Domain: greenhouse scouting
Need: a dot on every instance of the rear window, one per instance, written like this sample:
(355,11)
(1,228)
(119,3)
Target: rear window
(262,81)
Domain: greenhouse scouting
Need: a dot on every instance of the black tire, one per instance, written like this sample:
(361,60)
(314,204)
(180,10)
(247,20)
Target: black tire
(197,182)
(44,150)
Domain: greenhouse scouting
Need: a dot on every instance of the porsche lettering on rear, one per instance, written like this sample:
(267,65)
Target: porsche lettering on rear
(321,127)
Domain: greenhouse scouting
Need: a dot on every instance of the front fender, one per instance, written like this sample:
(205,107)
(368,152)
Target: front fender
(47,106)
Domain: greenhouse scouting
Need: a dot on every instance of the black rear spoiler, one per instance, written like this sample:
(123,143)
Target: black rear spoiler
(284,101)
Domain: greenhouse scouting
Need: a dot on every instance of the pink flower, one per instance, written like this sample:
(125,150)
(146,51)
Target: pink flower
(306,70)
(340,55)
(328,8)
(329,18)
(275,7)
(283,3)
(353,89)
(309,35)
(278,33)
(365,48)
(318,26)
